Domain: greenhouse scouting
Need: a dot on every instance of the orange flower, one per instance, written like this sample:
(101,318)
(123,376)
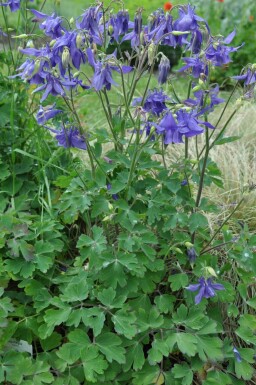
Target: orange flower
(220,1)
(168,6)
(251,18)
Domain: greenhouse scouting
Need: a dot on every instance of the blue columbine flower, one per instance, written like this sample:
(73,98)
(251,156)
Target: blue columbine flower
(169,128)
(69,137)
(14,5)
(206,289)
(212,100)
(46,113)
(68,42)
(91,24)
(161,31)
(118,25)
(154,102)
(219,53)
(196,65)
(54,86)
(249,77)
(103,70)
(188,123)
(164,69)
(135,35)
(52,24)
(191,253)
(237,355)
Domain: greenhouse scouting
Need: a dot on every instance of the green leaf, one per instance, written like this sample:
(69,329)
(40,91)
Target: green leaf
(244,370)
(187,343)
(178,281)
(209,347)
(76,289)
(165,303)
(109,345)
(56,317)
(134,357)
(93,363)
(228,139)
(184,372)
(218,378)
(159,349)
(196,221)
(124,323)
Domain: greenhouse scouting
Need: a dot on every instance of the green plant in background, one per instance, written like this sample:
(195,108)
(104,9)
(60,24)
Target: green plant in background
(110,273)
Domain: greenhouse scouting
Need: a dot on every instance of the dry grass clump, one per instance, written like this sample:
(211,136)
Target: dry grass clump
(237,162)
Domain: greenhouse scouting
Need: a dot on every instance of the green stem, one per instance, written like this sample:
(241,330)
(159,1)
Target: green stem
(220,227)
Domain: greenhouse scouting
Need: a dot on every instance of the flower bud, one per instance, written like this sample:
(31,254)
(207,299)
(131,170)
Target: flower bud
(30,44)
(23,36)
(142,38)
(179,33)
(110,29)
(151,53)
(191,253)
(52,42)
(65,58)
(79,40)
(71,21)
(164,69)
(188,244)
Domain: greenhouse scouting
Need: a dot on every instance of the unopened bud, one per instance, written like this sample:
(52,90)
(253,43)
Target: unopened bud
(142,38)
(179,33)
(210,271)
(52,42)
(110,29)
(76,74)
(23,36)
(188,244)
(65,58)
(79,40)
(177,250)
(71,21)
(151,53)
(30,44)
(254,66)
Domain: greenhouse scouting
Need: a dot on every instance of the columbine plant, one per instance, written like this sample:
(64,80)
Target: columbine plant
(117,302)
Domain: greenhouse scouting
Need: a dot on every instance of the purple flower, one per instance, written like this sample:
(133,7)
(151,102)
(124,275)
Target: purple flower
(135,35)
(188,20)
(13,4)
(191,253)
(205,100)
(218,52)
(103,71)
(161,31)
(52,25)
(118,25)
(46,113)
(91,24)
(154,102)
(67,46)
(197,66)
(206,289)
(69,137)
(169,128)
(249,77)
(164,69)
(188,123)
(54,86)
(237,355)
